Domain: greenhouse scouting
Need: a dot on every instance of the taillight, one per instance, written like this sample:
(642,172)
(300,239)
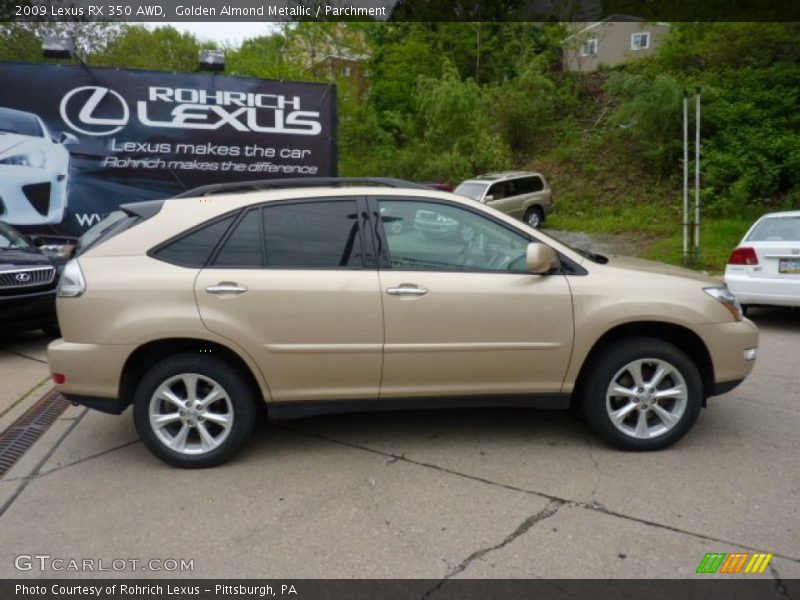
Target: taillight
(743,256)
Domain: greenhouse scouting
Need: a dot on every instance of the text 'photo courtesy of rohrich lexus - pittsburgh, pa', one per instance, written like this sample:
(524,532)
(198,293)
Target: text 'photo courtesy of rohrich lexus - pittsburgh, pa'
(302,297)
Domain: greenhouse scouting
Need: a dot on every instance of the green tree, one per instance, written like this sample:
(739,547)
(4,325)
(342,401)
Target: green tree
(161,49)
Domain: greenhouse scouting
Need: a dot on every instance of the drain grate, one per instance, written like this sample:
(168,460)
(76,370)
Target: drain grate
(23,433)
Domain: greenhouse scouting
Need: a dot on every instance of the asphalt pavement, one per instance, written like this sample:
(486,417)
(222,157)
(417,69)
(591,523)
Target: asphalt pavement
(494,493)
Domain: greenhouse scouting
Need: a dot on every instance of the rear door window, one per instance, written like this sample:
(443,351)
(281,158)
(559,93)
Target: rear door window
(313,235)
(244,247)
(529,185)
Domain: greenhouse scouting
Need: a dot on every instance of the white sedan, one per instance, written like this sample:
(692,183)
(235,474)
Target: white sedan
(34,167)
(765,268)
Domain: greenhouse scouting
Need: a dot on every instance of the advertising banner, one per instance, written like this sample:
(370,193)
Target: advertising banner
(76,142)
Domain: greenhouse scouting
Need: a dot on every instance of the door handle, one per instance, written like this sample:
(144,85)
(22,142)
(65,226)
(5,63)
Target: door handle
(226,287)
(407,290)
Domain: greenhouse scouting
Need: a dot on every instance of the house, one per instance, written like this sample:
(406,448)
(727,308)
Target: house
(352,67)
(615,40)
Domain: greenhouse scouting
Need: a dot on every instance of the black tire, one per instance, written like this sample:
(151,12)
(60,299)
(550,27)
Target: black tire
(534,217)
(239,392)
(608,363)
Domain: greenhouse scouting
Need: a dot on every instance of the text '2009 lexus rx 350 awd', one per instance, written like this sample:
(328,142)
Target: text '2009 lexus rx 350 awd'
(306,297)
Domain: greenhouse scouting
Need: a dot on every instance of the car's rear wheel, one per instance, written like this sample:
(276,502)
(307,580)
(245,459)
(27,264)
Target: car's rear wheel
(642,394)
(533,217)
(193,410)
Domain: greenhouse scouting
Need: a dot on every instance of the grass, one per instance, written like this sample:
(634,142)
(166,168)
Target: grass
(597,191)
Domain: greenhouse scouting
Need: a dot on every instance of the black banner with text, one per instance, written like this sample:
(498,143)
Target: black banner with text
(75,142)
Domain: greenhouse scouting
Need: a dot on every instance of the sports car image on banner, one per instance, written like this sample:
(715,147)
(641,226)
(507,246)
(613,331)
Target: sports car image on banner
(34,170)
(125,135)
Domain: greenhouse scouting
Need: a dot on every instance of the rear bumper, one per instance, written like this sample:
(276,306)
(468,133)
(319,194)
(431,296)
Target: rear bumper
(111,406)
(90,371)
(772,291)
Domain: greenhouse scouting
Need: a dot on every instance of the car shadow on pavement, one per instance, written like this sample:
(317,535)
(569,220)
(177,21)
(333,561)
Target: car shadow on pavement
(775,317)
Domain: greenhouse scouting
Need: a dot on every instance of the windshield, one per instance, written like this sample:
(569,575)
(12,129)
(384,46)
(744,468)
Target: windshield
(776,229)
(15,121)
(10,239)
(472,189)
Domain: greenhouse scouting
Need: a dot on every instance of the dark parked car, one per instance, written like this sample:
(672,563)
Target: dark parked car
(28,279)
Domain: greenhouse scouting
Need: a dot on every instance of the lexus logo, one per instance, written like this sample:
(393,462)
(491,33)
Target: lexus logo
(97,110)
(23,277)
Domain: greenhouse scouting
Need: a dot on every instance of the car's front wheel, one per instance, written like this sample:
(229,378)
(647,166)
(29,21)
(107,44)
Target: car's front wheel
(642,394)
(194,410)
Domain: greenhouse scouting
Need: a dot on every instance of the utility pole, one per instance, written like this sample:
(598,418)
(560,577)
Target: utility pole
(685,178)
(697,181)
(691,226)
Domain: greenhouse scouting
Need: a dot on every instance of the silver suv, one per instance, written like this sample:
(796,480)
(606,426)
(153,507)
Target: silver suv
(523,195)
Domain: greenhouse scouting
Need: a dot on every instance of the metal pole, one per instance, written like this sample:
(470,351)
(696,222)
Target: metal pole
(685,177)
(697,182)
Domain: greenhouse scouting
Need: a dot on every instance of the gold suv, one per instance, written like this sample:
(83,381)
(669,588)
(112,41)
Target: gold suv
(306,296)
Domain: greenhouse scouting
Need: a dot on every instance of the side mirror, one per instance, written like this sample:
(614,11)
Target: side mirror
(488,198)
(540,259)
(67,139)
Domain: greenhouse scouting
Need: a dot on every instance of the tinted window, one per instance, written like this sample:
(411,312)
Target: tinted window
(528,185)
(317,235)
(194,248)
(448,238)
(243,247)
(15,121)
(497,191)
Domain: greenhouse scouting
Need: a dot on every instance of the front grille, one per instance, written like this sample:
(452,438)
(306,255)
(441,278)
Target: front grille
(23,278)
(39,196)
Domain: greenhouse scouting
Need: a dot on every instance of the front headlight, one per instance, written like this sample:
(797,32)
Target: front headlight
(72,284)
(33,158)
(724,296)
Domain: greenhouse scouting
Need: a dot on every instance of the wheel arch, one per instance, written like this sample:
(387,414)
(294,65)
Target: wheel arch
(150,353)
(679,336)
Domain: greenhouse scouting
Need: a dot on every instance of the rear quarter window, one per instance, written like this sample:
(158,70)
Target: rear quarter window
(194,248)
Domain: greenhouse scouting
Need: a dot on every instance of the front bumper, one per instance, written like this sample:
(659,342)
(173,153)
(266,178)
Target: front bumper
(21,312)
(32,196)
(729,345)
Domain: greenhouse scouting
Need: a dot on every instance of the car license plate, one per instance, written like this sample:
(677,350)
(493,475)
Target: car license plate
(789,265)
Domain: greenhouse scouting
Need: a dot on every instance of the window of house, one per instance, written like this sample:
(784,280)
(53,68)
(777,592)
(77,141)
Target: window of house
(640,41)
(589,47)
(346,71)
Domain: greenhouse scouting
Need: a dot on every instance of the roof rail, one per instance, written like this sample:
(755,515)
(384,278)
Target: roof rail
(297,182)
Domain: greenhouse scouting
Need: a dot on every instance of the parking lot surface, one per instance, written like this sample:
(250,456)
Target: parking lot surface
(493,493)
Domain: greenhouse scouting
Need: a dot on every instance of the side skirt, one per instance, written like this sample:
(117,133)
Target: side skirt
(299,410)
